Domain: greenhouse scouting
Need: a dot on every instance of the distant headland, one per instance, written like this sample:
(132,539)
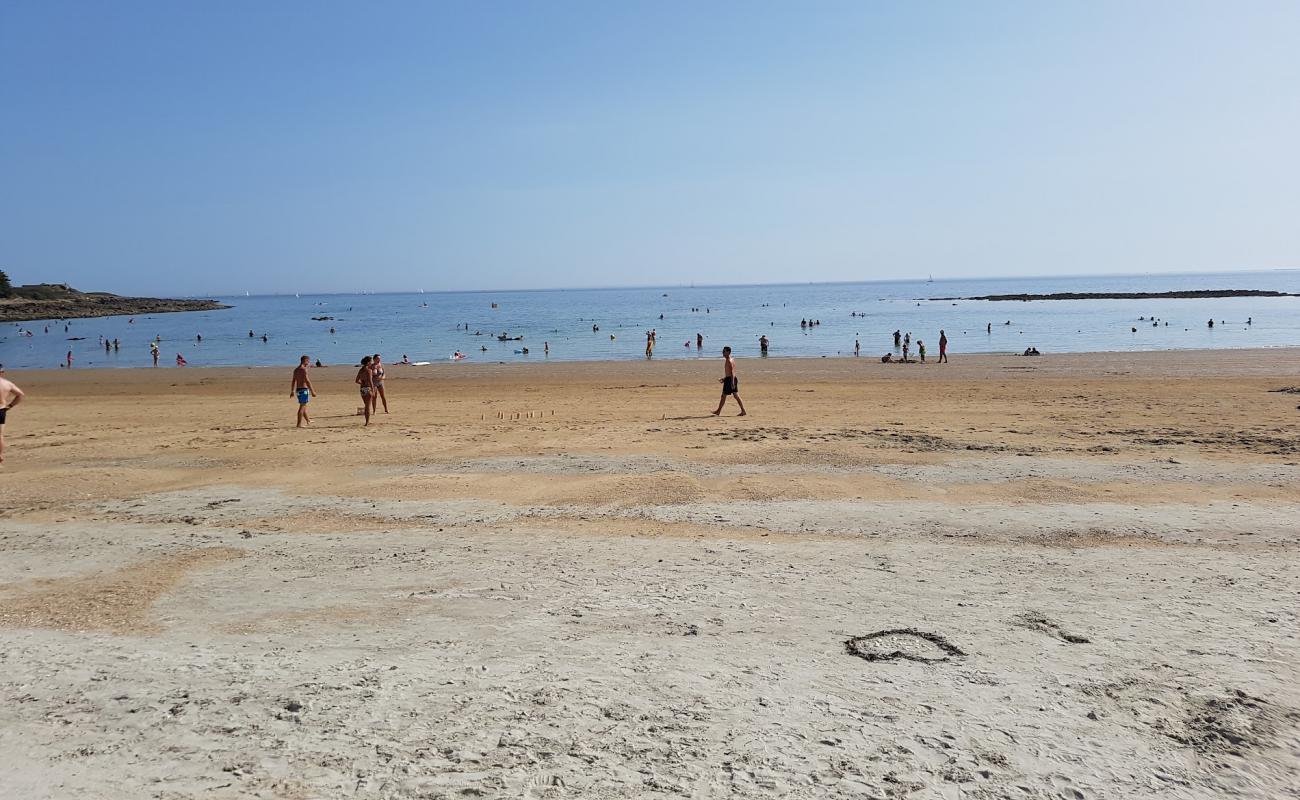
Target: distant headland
(1192,294)
(60,301)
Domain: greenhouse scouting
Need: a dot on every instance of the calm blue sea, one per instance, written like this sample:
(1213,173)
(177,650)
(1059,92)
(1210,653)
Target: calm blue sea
(430,326)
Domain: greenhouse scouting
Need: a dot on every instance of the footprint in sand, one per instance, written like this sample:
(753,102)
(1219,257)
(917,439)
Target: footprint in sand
(908,644)
(1036,621)
(1065,788)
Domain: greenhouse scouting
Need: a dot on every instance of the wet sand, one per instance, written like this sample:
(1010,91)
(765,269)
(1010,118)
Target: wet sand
(1068,576)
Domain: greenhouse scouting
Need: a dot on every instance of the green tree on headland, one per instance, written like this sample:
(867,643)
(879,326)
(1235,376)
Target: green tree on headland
(5,288)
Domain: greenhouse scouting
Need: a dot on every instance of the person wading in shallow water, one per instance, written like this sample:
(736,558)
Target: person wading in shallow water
(730,383)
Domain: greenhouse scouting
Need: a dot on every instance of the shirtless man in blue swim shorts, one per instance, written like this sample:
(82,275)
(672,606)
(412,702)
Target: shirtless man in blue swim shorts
(302,389)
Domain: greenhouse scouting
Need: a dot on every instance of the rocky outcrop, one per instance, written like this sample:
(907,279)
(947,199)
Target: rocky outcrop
(57,301)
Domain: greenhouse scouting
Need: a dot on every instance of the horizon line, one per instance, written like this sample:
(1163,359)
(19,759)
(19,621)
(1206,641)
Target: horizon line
(745,285)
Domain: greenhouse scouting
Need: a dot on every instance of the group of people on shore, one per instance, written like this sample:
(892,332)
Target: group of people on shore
(370,372)
(370,381)
(903,342)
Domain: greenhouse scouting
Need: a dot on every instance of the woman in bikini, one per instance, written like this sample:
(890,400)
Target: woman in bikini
(377,367)
(366,380)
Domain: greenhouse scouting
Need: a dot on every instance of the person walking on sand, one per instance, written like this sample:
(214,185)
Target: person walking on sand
(366,380)
(730,383)
(377,368)
(10,396)
(302,389)
(920,350)
(943,347)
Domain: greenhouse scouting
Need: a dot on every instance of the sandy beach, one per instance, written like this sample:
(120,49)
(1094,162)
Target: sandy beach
(1060,577)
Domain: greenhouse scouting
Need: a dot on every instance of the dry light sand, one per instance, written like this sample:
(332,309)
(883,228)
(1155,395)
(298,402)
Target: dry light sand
(1063,577)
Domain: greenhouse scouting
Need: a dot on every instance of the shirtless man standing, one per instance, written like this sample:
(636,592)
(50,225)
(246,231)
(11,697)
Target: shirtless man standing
(730,384)
(10,396)
(302,389)
(366,380)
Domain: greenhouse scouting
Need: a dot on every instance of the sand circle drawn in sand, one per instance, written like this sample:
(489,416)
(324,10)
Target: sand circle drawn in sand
(907,644)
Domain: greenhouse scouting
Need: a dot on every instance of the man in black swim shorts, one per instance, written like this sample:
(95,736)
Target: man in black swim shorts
(730,383)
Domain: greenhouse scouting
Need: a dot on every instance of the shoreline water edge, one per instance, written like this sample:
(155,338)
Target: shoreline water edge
(822,320)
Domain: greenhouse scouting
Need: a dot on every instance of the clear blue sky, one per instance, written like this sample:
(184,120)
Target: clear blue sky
(210,147)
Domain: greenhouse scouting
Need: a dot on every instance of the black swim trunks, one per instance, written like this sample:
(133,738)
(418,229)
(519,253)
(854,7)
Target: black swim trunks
(3,411)
(730,385)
